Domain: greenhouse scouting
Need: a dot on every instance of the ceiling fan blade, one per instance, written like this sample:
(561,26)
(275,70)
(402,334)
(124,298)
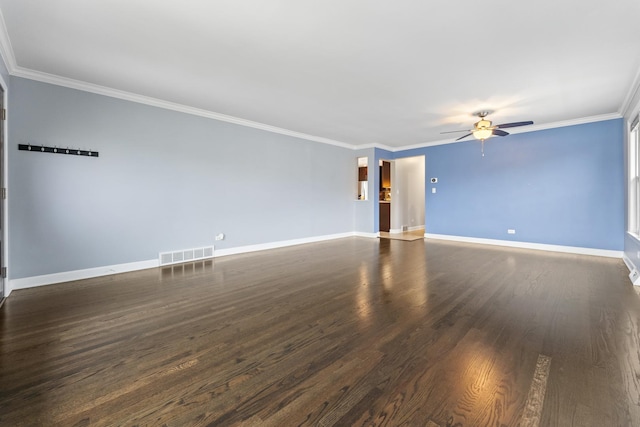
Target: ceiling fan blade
(515,124)
(463,137)
(500,132)
(454,131)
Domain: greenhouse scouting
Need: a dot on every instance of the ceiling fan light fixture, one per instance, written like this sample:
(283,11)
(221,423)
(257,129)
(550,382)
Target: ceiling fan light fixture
(482,133)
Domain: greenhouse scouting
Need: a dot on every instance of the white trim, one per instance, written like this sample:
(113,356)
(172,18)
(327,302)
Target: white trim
(377,145)
(635,87)
(634,274)
(5,180)
(280,244)
(399,230)
(368,235)
(67,276)
(6,50)
(526,245)
(155,102)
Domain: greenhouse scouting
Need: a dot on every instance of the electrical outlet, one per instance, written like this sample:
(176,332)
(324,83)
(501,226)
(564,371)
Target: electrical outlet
(220,236)
(511,231)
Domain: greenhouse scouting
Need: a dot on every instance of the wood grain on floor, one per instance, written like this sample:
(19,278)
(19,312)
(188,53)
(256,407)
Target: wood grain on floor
(355,331)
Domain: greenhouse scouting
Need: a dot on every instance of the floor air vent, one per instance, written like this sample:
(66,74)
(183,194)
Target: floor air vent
(186,255)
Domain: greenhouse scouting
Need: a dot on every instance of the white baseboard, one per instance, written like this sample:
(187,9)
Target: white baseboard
(363,234)
(280,244)
(634,275)
(68,276)
(527,245)
(399,230)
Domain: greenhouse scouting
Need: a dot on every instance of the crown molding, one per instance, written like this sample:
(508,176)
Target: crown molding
(6,50)
(626,109)
(425,145)
(514,131)
(129,96)
(565,123)
(375,145)
(155,102)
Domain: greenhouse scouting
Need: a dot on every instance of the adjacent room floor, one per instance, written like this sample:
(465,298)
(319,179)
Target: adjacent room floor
(353,331)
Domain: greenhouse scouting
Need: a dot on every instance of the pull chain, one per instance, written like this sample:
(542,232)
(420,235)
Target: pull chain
(482,146)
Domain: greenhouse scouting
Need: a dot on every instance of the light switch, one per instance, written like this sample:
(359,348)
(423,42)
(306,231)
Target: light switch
(433,189)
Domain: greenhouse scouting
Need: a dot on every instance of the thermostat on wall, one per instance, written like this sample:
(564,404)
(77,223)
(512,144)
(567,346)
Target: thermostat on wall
(434,180)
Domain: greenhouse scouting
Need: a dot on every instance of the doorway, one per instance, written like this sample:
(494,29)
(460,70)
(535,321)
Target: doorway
(408,206)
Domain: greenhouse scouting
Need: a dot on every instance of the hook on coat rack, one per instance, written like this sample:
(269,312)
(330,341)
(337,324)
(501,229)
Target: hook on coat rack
(57,150)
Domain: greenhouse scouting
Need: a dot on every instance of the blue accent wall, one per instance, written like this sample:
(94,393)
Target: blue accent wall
(166,181)
(562,186)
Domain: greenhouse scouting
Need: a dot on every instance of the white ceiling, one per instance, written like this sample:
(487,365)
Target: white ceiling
(395,73)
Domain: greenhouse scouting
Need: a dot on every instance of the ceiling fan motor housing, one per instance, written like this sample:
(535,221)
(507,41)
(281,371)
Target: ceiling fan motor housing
(483,124)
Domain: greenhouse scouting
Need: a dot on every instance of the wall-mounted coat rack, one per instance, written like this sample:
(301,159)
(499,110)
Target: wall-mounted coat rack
(57,150)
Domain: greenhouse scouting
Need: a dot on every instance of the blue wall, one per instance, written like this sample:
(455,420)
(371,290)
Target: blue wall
(562,186)
(167,180)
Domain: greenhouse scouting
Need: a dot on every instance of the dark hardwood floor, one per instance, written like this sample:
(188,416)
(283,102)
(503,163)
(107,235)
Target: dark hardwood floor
(353,331)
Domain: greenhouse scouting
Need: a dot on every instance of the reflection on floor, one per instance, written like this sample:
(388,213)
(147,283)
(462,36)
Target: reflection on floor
(406,235)
(343,332)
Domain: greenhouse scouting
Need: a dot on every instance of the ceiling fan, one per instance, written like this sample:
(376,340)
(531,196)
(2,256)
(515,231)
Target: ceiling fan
(483,129)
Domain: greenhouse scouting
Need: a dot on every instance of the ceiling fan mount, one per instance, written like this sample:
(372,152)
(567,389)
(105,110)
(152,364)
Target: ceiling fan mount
(483,113)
